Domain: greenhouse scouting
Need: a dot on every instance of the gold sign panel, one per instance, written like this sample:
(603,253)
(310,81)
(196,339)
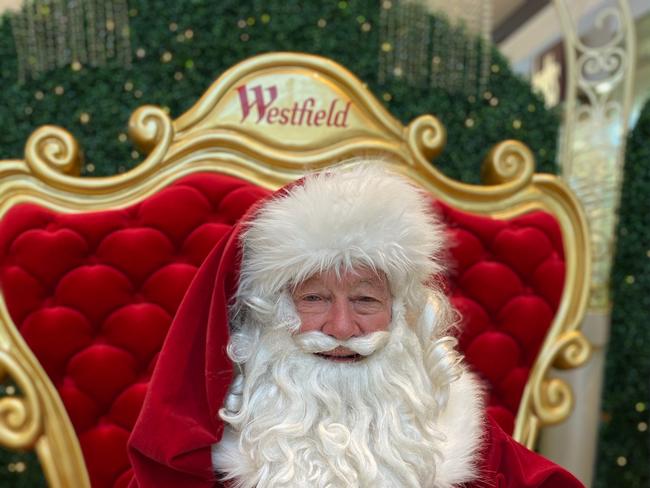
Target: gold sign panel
(289,106)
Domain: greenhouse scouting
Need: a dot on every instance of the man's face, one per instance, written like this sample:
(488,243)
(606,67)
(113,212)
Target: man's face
(354,304)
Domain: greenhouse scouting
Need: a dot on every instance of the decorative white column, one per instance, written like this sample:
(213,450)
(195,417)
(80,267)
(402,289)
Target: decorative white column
(599,75)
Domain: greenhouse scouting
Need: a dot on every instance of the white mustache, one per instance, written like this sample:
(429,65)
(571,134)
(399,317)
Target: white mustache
(316,342)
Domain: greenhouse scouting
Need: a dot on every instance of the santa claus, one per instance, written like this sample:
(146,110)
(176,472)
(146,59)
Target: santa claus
(340,370)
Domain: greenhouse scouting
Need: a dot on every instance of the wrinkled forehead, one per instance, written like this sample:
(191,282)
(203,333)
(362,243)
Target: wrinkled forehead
(357,276)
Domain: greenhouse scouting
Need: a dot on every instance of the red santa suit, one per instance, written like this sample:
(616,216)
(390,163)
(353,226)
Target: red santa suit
(179,423)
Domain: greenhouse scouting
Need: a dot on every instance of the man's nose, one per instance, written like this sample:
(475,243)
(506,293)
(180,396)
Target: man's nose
(340,322)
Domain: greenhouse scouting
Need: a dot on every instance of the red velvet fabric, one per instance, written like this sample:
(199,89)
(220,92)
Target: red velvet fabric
(506,281)
(94,295)
(170,445)
(508,464)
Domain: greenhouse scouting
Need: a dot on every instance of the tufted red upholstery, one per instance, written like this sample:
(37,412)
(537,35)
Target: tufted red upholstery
(506,283)
(93,295)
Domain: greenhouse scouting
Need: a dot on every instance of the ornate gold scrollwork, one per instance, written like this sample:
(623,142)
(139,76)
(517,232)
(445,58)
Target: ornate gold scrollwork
(428,136)
(148,126)
(152,130)
(574,350)
(553,401)
(509,161)
(52,151)
(552,398)
(20,417)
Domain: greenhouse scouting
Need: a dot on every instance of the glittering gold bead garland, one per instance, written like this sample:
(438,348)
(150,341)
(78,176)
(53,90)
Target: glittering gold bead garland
(50,34)
(423,50)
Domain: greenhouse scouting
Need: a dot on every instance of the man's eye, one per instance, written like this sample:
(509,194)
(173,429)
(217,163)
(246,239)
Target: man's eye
(312,298)
(367,304)
(366,299)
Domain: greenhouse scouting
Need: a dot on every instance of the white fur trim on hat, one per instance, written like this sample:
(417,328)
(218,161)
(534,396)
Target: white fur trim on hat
(360,214)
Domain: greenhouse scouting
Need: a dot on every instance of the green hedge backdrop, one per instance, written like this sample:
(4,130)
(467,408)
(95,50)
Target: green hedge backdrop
(624,447)
(181,47)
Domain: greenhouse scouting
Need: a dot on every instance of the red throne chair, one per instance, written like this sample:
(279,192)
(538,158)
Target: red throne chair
(93,269)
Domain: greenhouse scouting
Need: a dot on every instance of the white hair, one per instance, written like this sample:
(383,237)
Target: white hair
(294,419)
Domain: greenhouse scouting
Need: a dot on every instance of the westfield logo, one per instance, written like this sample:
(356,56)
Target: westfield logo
(259,103)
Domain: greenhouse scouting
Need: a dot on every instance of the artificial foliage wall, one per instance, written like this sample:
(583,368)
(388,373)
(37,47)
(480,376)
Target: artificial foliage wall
(179,48)
(624,447)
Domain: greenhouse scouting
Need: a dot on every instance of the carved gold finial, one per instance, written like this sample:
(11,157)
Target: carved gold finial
(552,398)
(508,161)
(20,417)
(52,150)
(575,350)
(427,135)
(553,401)
(148,126)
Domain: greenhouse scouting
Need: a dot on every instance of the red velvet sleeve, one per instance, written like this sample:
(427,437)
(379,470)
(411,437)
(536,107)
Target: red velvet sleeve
(508,464)
(171,442)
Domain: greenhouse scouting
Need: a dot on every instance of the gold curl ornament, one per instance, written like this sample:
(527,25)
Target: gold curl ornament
(553,401)
(20,417)
(428,136)
(510,162)
(51,152)
(149,126)
(553,398)
(574,350)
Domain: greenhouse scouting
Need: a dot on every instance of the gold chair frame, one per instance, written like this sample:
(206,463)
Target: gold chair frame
(214,137)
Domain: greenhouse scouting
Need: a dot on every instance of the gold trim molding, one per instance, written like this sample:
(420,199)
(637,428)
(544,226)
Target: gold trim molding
(233,129)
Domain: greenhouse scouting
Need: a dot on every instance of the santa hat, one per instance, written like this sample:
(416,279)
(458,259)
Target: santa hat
(355,215)
(360,214)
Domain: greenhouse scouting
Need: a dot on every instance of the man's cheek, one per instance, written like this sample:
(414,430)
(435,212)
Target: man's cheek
(308,323)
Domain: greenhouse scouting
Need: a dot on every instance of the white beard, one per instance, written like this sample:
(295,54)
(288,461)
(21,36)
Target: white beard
(297,420)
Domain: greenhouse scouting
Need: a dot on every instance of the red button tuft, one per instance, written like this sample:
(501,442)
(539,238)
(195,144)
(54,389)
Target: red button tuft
(102,372)
(522,249)
(82,409)
(127,406)
(493,354)
(48,255)
(527,318)
(512,387)
(104,449)
(140,328)
(136,252)
(475,320)
(176,211)
(466,249)
(94,290)
(548,281)
(22,293)
(168,285)
(200,242)
(54,335)
(491,284)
